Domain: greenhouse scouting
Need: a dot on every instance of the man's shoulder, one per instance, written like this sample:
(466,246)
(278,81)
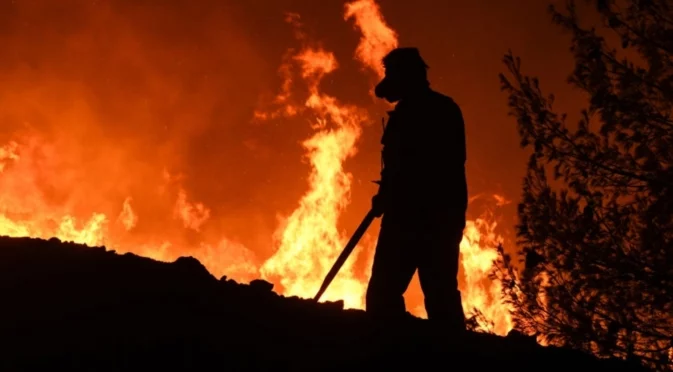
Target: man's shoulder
(442,100)
(431,102)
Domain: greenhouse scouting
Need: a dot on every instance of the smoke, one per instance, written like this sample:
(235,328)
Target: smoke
(104,98)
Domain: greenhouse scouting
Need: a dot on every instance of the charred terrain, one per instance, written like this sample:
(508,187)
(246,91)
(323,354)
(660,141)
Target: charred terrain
(69,306)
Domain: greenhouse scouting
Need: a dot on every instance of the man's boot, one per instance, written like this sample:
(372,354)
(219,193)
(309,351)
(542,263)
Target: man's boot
(448,325)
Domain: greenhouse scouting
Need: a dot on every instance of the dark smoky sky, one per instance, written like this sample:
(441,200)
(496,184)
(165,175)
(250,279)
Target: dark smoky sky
(127,88)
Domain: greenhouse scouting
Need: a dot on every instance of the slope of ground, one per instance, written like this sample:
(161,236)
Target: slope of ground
(71,307)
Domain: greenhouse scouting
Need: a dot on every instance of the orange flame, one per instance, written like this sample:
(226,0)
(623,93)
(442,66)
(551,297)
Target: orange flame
(377,37)
(192,215)
(309,240)
(127,217)
(478,250)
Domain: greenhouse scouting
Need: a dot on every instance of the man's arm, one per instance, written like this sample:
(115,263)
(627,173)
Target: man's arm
(379,200)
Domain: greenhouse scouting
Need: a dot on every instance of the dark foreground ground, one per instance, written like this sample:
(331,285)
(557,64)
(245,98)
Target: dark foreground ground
(69,307)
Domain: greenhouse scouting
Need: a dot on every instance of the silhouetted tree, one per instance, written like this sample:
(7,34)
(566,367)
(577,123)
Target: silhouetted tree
(597,235)
(476,321)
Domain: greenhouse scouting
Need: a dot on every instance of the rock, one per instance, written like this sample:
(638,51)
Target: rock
(517,336)
(189,264)
(261,285)
(335,305)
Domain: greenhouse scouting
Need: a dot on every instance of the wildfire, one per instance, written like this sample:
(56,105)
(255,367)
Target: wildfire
(309,239)
(478,250)
(306,242)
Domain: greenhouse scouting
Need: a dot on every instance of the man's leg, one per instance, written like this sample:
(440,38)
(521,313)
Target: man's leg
(438,275)
(392,270)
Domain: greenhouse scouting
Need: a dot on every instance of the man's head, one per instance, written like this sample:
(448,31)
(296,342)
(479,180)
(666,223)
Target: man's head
(406,74)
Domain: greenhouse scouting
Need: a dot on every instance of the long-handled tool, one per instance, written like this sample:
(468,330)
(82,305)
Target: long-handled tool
(364,225)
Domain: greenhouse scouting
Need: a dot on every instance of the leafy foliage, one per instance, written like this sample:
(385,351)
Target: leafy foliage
(596,216)
(476,321)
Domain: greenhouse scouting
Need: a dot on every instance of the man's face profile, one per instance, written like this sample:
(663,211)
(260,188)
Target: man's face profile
(390,88)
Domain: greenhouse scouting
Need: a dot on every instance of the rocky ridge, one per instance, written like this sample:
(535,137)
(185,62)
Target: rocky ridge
(74,307)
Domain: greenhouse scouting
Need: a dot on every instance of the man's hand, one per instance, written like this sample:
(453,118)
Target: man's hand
(377,205)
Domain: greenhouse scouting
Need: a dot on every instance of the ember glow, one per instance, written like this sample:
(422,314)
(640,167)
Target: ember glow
(54,185)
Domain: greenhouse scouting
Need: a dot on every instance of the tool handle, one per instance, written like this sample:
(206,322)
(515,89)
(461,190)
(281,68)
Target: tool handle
(352,243)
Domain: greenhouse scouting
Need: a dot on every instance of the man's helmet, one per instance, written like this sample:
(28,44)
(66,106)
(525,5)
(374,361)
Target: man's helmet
(404,60)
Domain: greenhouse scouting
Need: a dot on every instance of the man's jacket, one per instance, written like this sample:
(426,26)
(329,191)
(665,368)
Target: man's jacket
(424,155)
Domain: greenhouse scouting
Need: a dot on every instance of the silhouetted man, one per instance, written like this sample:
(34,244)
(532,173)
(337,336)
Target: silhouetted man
(422,195)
